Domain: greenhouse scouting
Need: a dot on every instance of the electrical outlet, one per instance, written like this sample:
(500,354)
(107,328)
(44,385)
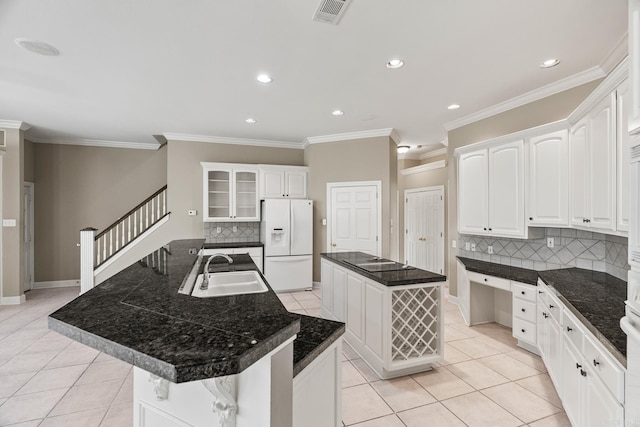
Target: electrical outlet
(490,250)
(235,228)
(467,246)
(454,244)
(473,247)
(192,212)
(218,230)
(550,242)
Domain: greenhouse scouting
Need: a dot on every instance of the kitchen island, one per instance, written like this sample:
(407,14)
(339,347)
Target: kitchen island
(237,355)
(393,312)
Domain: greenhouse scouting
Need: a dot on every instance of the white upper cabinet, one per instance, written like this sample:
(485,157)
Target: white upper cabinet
(549,180)
(230,192)
(623,101)
(491,191)
(506,190)
(473,194)
(279,182)
(592,168)
(602,146)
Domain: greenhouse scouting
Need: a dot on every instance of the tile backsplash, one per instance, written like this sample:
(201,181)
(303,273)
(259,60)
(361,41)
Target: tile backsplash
(572,248)
(245,232)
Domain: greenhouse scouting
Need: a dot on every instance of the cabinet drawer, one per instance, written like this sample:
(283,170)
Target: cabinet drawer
(525,331)
(525,292)
(492,281)
(572,332)
(252,251)
(524,310)
(610,372)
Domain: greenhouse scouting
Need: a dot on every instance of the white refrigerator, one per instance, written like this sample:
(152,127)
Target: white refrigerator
(286,230)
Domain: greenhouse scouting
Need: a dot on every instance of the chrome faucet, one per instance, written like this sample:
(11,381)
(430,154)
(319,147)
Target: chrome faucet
(205,274)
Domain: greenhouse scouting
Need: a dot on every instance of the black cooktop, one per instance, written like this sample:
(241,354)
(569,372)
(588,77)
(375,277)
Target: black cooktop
(376,264)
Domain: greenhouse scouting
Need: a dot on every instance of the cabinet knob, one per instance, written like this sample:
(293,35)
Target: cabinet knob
(522,330)
(490,229)
(333,244)
(595,362)
(550,305)
(283,195)
(578,366)
(485,229)
(522,292)
(569,329)
(523,310)
(583,373)
(539,292)
(545,315)
(485,279)
(530,218)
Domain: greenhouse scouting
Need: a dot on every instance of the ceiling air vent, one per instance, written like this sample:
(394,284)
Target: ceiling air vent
(330,11)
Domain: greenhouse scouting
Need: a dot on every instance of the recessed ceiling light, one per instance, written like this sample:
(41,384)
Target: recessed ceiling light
(37,47)
(264,78)
(395,63)
(403,149)
(453,107)
(250,120)
(550,63)
(337,112)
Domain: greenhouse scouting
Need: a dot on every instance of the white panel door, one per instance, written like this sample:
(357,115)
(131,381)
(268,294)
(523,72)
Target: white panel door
(354,219)
(28,237)
(424,229)
(473,193)
(506,189)
(549,179)
(578,174)
(301,227)
(602,164)
(623,99)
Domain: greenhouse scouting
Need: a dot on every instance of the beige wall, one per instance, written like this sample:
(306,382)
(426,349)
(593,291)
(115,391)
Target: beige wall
(29,161)
(547,110)
(184,176)
(78,187)
(13,208)
(370,159)
(430,178)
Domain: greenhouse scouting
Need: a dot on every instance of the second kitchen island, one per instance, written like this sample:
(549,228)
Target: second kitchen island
(393,312)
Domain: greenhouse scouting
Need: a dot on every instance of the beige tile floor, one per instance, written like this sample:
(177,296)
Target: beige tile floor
(485,380)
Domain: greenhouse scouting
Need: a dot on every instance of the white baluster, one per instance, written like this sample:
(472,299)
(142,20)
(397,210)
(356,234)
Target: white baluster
(129,229)
(87,242)
(110,242)
(117,237)
(164,202)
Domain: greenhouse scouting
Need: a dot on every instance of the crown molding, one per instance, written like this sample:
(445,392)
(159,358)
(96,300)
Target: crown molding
(96,143)
(390,132)
(617,55)
(14,124)
(551,89)
(235,141)
(605,88)
(424,168)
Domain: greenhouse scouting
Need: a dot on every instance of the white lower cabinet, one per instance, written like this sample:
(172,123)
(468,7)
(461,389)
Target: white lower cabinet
(397,330)
(588,380)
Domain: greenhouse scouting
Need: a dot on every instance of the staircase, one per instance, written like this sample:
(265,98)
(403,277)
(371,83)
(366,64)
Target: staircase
(98,252)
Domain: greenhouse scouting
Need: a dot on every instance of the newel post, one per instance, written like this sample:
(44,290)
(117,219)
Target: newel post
(87,257)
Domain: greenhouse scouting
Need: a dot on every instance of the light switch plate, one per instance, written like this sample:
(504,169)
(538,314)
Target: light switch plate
(550,242)
(473,247)
(454,244)
(235,228)
(218,230)
(9,223)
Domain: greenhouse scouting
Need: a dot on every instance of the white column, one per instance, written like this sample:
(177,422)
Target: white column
(87,257)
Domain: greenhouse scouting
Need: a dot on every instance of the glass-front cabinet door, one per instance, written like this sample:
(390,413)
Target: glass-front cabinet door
(230,193)
(246,195)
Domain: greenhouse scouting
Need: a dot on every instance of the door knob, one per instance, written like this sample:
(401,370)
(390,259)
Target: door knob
(333,244)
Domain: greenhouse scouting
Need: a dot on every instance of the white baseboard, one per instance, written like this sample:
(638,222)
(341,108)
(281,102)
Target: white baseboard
(453,299)
(56,284)
(12,300)
(316,285)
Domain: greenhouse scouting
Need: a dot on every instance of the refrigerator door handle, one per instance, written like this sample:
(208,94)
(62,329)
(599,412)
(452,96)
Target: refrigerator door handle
(287,258)
(629,328)
(293,226)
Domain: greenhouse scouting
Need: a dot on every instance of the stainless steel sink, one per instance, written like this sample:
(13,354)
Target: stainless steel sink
(230,283)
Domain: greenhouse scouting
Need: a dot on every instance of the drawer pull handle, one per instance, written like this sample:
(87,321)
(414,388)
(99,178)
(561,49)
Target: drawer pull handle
(522,330)
(583,373)
(550,305)
(523,310)
(569,329)
(545,315)
(540,292)
(578,366)
(595,362)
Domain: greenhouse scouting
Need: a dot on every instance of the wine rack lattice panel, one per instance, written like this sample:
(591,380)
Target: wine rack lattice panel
(414,323)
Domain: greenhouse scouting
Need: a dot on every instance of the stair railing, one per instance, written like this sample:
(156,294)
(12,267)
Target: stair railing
(95,250)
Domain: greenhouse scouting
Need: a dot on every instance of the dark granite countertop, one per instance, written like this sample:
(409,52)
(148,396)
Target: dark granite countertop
(596,299)
(233,245)
(138,316)
(523,275)
(387,278)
